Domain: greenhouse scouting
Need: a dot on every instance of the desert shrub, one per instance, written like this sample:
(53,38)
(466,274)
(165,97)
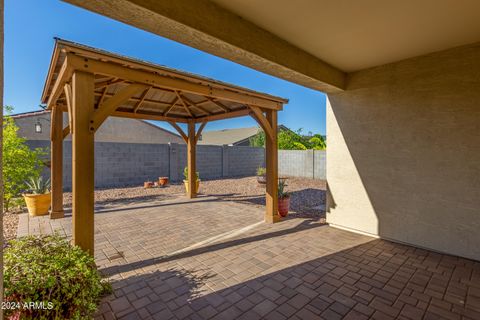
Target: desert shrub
(20,163)
(61,279)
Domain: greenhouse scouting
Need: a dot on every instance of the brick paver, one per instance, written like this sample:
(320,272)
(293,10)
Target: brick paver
(296,269)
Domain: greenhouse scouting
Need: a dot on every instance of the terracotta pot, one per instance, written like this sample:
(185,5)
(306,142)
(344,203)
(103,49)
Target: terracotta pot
(283,206)
(197,186)
(147,184)
(162,181)
(262,179)
(38,204)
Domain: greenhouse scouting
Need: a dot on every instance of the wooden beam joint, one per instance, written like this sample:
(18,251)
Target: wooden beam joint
(110,105)
(179,130)
(263,122)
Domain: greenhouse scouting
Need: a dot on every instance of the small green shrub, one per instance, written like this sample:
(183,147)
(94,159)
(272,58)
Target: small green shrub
(19,161)
(261,171)
(48,270)
(185,174)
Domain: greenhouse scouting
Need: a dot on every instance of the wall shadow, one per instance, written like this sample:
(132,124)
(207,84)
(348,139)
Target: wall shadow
(422,183)
(348,283)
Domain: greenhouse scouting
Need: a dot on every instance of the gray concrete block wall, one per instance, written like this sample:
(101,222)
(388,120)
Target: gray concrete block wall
(209,161)
(320,164)
(119,164)
(122,164)
(244,161)
(302,163)
(295,163)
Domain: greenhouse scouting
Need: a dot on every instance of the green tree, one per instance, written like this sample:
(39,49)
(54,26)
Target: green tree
(287,140)
(317,142)
(20,163)
(258,140)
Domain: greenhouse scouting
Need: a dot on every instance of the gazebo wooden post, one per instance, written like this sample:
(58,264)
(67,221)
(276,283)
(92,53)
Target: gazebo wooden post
(83,161)
(56,161)
(192,168)
(271,150)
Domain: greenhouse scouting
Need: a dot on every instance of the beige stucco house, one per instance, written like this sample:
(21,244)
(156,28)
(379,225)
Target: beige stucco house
(403,84)
(35,125)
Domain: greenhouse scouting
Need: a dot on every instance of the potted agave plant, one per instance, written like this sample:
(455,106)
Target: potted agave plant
(261,175)
(39,197)
(185,181)
(283,199)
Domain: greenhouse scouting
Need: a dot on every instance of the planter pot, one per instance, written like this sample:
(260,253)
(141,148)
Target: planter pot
(162,181)
(197,186)
(38,204)
(147,184)
(283,206)
(262,180)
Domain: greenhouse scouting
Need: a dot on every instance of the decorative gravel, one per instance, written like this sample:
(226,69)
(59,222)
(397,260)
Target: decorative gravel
(10,223)
(307,195)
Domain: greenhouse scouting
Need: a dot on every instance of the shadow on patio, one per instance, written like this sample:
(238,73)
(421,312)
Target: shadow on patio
(305,224)
(377,279)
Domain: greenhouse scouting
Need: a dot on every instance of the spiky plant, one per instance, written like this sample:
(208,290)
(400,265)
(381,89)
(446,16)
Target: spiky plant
(185,174)
(282,193)
(38,185)
(261,171)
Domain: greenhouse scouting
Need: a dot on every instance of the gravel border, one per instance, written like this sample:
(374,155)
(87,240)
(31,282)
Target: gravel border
(306,194)
(10,224)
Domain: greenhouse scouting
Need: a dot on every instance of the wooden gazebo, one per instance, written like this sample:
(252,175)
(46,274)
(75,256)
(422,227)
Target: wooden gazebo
(92,84)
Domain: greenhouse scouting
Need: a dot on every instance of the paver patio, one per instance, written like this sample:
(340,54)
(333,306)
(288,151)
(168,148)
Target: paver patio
(214,259)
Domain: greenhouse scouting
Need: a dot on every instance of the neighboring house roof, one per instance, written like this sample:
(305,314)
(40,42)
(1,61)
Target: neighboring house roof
(118,124)
(231,136)
(29,114)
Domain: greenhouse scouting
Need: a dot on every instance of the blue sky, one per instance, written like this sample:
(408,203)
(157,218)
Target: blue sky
(30,26)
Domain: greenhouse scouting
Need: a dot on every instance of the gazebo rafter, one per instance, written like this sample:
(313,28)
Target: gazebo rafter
(92,85)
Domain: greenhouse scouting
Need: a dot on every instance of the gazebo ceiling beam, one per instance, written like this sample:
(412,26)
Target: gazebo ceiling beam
(184,104)
(142,98)
(193,104)
(142,115)
(221,105)
(135,99)
(156,80)
(170,107)
(102,97)
(109,106)
(107,83)
(221,116)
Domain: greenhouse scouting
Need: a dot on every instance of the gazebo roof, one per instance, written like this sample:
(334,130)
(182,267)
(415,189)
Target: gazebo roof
(164,93)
